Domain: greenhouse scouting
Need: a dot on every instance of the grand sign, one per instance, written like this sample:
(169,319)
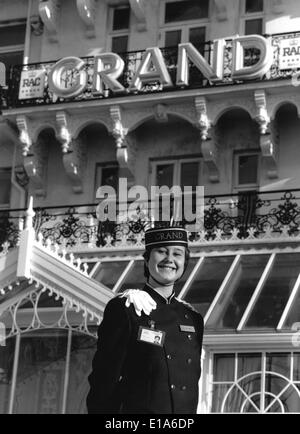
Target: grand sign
(68,78)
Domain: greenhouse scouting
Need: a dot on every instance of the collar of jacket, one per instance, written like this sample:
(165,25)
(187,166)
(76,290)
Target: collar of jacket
(158,297)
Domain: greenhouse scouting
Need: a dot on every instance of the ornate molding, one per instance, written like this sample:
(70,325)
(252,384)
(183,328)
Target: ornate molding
(118,130)
(203,122)
(268,139)
(36,24)
(269,150)
(125,146)
(35,165)
(21,175)
(210,156)
(49,13)
(64,135)
(75,163)
(217,110)
(160,113)
(221,10)
(207,133)
(74,150)
(262,116)
(26,133)
(138,8)
(87,12)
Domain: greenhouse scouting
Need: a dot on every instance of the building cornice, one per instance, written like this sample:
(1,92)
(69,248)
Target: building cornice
(276,87)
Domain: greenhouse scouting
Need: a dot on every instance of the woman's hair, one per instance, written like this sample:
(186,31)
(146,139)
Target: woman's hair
(146,256)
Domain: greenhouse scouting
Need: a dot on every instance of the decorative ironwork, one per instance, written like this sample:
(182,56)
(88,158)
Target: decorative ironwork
(9,231)
(68,228)
(10,95)
(40,297)
(246,216)
(285,215)
(132,230)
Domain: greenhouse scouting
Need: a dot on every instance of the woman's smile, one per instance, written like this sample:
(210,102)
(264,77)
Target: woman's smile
(166,264)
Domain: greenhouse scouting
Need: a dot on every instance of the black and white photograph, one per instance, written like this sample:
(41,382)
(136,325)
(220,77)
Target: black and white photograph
(150,210)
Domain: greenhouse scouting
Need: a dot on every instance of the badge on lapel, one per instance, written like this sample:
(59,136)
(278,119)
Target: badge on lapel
(151,335)
(187,328)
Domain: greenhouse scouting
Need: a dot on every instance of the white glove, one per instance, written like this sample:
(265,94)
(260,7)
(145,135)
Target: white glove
(141,301)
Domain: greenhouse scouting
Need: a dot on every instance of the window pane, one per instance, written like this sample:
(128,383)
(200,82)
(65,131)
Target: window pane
(276,291)
(12,35)
(254,6)
(41,373)
(294,313)
(6,366)
(279,363)
(107,175)
(250,392)
(254,27)
(197,38)
(224,367)
(82,352)
(135,279)
(191,265)
(109,272)
(189,174)
(296,373)
(119,44)
(164,175)
(207,282)
(5,184)
(247,169)
(11,59)
(121,18)
(186,10)
(229,312)
(219,393)
(173,38)
(289,401)
(248,363)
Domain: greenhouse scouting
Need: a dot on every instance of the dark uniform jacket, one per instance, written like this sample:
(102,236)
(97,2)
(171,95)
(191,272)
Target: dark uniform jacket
(131,376)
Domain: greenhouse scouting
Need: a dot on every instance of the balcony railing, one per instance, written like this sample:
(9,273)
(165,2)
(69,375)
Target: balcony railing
(10,95)
(248,216)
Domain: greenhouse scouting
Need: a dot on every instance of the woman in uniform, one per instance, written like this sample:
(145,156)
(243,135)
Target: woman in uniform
(149,363)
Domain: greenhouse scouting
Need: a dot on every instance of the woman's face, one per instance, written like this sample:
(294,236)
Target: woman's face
(166,264)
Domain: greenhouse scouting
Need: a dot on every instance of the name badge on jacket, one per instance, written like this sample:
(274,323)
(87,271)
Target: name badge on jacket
(187,328)
(151,336)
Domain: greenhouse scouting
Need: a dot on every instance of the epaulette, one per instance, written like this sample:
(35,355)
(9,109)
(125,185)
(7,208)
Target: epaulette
(191,307)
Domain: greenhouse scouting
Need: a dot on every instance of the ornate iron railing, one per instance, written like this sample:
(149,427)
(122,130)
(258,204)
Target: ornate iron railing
(9,97)
(11,223)
(248,215)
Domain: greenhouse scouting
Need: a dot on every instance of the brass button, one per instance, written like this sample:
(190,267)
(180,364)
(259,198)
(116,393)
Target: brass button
(183,388)
(189,337)
(173,386)
(189,361)
(169,356)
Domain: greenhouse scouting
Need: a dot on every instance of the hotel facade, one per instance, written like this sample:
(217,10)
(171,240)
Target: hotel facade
(159,93)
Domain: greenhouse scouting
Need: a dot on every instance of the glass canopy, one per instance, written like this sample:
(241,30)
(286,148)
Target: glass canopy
(232,292)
